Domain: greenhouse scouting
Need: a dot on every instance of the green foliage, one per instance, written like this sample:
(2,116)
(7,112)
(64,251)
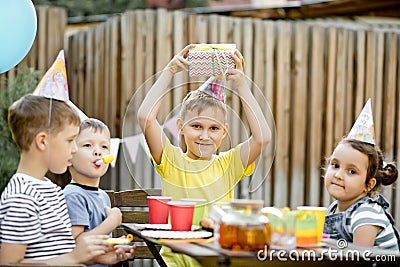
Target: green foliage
(97,7)
(11,90)
(93,7)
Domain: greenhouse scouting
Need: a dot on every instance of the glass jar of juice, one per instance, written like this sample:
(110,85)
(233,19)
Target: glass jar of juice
(245,228)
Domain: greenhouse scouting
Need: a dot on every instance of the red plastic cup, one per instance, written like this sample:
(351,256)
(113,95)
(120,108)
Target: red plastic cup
(181,214)
(158,209)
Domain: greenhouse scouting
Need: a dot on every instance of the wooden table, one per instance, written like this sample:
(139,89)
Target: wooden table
(328,254)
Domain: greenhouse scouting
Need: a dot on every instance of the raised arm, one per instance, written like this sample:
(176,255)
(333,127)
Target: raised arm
(260,131)
(148,110)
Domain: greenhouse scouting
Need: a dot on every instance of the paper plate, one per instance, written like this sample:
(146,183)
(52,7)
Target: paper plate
(176,234)
(148,226)
(142,226)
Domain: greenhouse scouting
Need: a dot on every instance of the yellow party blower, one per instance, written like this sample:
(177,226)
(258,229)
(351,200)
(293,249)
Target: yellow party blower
(120,241)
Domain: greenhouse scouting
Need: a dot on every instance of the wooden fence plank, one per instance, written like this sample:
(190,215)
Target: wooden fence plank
(255,187)
(281,179)
(360,72)
(213,22)
(247,52)
(340,77)
(96,91)
(128,78)
(329,139)
(88,102)
(349,91)
(269,92)
(140,65)
(149,55)
(42,42)
(389,96)
(179,42)
(54,43)
(113,119)
(378,88)
(201,27)
(299,121)
(315,117)
(388,105)
(370,66)
(107,71)
(79,66)
(237,37)
(164,53)
(71,65)
(396,201)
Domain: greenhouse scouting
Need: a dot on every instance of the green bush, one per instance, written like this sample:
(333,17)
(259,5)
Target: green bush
(11,90)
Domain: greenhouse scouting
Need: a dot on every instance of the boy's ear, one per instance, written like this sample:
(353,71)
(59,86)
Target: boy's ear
(41,141)
(179,125)
(226,129)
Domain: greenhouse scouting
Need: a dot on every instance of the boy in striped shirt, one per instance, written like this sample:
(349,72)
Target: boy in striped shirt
(34,222)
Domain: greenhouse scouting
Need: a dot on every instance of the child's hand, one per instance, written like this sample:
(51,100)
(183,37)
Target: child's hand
(179,61)
(207,224)
(237,74)
(116,254)
(115,215)
(124,253)
(90,247)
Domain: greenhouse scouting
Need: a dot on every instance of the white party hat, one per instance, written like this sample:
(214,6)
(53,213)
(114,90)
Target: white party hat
(363,129)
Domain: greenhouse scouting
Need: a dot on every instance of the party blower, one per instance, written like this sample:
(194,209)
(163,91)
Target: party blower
(107,159)
(120,241)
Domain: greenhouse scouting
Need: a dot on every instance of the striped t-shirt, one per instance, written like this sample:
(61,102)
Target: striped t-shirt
(34,212)
(373,214)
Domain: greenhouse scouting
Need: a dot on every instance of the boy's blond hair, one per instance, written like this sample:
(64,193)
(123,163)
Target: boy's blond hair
(94,124)
(30,115)
(198,100)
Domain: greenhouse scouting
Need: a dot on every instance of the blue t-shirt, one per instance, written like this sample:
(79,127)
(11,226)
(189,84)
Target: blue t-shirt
(86,206)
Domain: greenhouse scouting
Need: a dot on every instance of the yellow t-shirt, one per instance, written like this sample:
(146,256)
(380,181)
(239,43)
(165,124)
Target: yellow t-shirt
(214,180)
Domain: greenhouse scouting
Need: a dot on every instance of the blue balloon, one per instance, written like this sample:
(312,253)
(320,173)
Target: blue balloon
(18,25)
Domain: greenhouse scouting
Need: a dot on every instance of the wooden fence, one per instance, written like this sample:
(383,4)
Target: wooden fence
(314,76)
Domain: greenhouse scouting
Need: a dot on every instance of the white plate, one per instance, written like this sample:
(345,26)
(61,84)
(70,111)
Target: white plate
(149,226)
(176,234)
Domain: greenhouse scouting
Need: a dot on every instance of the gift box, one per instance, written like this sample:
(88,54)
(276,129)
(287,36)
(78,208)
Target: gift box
(211,59)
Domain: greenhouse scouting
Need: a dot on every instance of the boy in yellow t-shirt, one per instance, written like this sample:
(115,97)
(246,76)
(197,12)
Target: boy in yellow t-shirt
(198,172)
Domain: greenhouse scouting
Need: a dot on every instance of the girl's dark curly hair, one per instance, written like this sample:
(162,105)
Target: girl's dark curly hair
(384,173)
